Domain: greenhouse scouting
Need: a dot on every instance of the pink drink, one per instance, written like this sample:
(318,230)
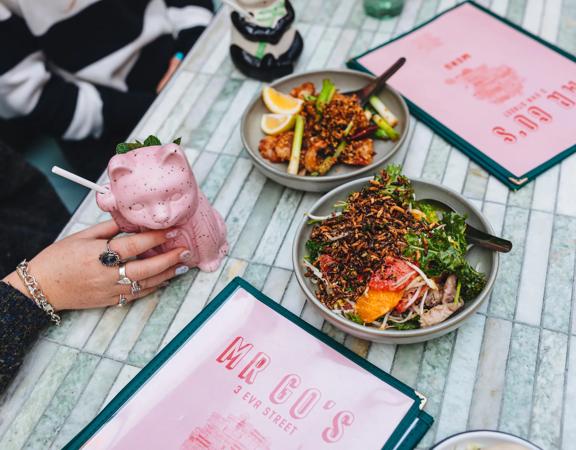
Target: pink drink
(153,188)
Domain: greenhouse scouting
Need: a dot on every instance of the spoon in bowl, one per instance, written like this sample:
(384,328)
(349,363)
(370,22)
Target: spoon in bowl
(376,84)
(474,235)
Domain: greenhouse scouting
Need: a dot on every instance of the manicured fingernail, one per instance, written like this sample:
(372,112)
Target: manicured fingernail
(181,270)
(172,234)
(164,284)
(185,255)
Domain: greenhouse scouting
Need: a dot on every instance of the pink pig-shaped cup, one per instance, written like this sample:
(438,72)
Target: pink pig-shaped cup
(153,188)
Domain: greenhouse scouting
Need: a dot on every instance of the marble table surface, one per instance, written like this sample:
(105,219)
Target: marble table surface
(511,367)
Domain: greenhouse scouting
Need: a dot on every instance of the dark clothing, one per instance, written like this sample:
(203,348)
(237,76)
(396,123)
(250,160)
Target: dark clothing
(20,323)
(31,213)
(87,73)
(31,216)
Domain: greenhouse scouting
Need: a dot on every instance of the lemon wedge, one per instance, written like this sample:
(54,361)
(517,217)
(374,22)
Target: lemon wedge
(277,123)
(280,103)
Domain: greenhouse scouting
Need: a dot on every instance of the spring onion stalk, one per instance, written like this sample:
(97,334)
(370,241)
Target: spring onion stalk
(329,162)
(457,295)
(326,94)
(381,109)
(368,114)
(296,146)
(381,134)
(385,126)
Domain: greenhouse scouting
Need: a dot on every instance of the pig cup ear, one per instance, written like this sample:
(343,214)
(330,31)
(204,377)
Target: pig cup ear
(117,170)
(171,154)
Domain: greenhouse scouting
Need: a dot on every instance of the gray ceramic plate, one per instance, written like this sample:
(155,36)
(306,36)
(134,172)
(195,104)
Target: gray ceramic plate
(345,80)
(485,439)
(484,260)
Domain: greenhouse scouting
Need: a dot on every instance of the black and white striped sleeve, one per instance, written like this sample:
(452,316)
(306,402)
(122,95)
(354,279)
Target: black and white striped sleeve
(189,19)
(32,95)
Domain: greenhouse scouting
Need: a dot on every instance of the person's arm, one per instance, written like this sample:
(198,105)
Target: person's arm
(20,323)
(71,276)
(33,96)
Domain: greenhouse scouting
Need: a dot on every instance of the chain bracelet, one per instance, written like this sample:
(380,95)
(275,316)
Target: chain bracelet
(35,292)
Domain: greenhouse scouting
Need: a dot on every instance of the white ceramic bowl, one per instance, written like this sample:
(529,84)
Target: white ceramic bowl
(483,438)
(485,260)
(345,80)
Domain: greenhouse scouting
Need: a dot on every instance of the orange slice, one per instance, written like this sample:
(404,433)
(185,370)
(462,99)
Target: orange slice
(280,103)
(375,303)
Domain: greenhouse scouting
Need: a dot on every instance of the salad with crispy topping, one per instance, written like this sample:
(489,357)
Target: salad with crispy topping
(385,260)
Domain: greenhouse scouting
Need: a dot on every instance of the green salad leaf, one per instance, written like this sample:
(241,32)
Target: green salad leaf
(397,185)
(428,210)
(411,324)
(443,250)
(314,248)
(354,318)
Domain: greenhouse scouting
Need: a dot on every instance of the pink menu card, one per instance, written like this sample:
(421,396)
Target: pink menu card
(501,95)
(248,378)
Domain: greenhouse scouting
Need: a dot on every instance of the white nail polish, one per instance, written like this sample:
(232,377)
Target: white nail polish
(182,270)
(172,234)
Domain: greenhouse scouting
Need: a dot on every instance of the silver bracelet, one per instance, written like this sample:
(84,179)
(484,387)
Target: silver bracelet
(35,292)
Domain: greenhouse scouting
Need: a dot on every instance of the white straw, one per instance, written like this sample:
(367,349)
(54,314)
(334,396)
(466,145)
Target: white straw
(232,4)
(76,179)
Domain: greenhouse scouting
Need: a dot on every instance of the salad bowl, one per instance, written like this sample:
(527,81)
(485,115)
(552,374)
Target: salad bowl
(345,80)
(484,440)
(483,260)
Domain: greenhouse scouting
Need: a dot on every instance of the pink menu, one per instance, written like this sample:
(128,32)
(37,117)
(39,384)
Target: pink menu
(509,100)
(250,379)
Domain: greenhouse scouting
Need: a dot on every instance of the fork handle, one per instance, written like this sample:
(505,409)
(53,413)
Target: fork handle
(482,239)
(378,83)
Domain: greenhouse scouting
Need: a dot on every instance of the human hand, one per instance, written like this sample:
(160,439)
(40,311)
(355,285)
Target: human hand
(72,277)
(172,67)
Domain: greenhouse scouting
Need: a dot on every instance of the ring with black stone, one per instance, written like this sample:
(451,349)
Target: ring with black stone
(109,257)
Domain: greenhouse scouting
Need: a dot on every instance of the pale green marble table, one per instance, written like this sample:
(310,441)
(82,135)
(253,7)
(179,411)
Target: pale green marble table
(511,367)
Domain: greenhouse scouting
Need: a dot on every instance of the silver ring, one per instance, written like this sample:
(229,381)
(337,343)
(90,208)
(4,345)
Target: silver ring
(122,278)
(122,301)
(135,287)
(109,257)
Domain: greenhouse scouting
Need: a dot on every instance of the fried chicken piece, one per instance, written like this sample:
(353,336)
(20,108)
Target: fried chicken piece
(303,90)
(312,156)
(277,148)
(359,153)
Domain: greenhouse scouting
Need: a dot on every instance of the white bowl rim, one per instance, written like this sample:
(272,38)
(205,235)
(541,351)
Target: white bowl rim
(473,432)
(360,170)
(399,334)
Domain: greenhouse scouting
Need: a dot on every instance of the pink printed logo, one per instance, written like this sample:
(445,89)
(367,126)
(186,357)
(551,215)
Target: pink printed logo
(335,432)
(234,352)
(491,84)
(226,433)
(283,391)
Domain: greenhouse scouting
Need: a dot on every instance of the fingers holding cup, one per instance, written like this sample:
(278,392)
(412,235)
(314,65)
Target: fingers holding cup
(143,269)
